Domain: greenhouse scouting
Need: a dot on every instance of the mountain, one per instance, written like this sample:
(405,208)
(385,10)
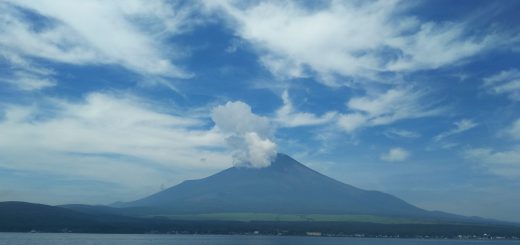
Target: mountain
(279,199)
(285,187)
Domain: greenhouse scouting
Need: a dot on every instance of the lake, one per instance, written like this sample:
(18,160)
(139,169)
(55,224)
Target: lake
(116,239)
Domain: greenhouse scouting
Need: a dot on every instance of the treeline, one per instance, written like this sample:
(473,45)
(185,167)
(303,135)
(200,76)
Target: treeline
(26,217)
(136,225)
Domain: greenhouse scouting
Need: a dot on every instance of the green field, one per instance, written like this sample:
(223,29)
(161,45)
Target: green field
(246,217)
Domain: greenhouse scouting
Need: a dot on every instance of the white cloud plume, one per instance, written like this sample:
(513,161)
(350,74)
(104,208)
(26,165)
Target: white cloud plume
(395,155)
(249,135)
(286,115)
(460,126)
(128,33)
(505,82)
(385,108)
(107,134)
(346,38)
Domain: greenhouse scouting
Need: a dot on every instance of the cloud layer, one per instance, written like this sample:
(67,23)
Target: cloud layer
(106,134)
(128,33)
(344,38)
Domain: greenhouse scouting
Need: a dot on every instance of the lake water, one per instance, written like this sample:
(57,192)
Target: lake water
(91,239)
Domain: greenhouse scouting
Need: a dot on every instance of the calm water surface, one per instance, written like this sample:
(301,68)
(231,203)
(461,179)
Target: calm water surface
(90,239)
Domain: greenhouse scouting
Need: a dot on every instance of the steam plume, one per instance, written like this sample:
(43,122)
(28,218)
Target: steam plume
(250,135)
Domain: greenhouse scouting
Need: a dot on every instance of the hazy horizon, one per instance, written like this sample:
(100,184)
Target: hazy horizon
(106,101)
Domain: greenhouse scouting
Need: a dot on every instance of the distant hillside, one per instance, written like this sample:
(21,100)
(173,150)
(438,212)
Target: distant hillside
(21,216)
(25,217)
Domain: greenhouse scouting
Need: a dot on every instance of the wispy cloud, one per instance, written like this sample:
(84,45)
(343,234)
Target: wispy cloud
(505,82)
(504,163)
(287,116)
(29,81)
(460,126)
(512,131)
(386,108)
(401,133)
(25,75)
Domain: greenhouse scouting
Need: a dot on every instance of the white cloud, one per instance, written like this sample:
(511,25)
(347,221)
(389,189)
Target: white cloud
(504,163)
(107,134)
(460,126)
(401,133)
(505,82)
(385,108)
(249,135)
(353,121)
(129,33)
(346,38)
(395,155)
(286,116)
(237,117)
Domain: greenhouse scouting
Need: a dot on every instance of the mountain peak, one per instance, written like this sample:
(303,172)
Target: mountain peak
(282,158)
(285,161)
(281,163)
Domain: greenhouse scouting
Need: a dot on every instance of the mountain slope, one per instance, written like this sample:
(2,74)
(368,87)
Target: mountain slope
(286,186)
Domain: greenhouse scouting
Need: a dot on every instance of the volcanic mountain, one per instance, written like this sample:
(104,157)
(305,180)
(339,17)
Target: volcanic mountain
(285,187)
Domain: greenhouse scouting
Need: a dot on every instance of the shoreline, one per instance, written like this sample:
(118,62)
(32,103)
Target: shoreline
(354,236)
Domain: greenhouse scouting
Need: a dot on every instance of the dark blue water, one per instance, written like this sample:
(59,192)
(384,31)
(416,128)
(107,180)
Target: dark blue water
(91,239)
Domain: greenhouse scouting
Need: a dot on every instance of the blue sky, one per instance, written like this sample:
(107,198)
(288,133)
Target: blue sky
(110,101)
